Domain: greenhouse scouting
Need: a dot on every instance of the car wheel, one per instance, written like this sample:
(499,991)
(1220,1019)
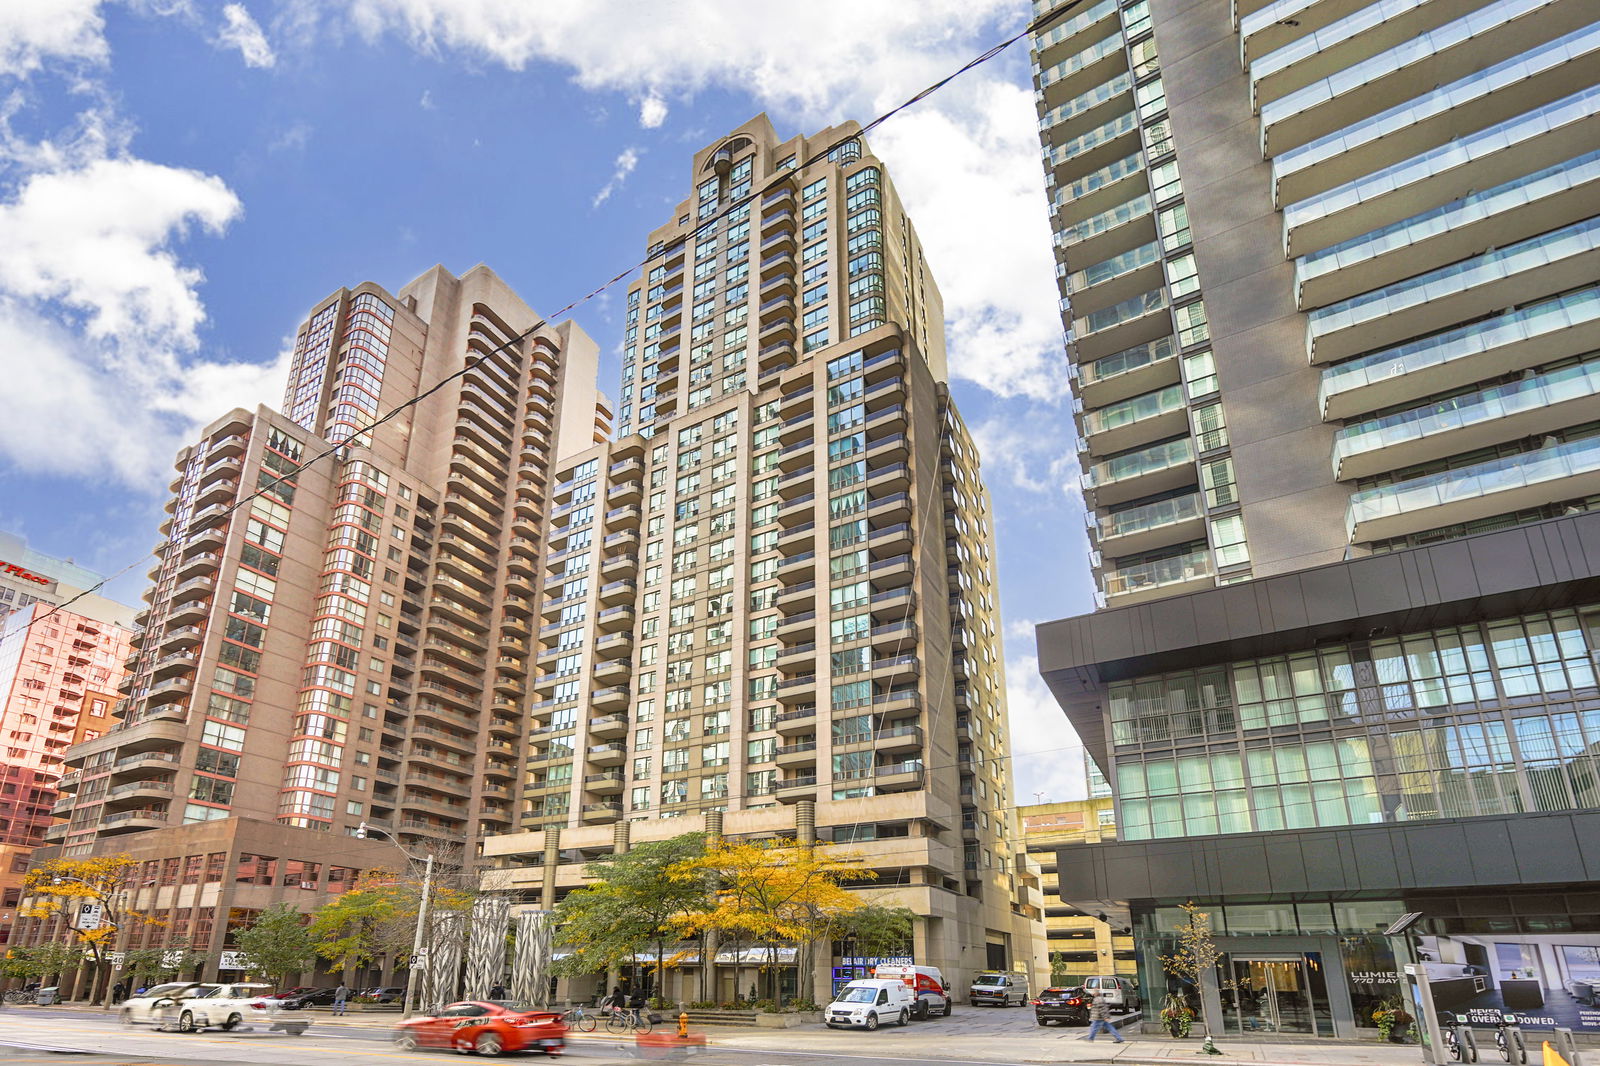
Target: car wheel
(297,1030)
(405,1042)
(949,1007)
(872,1022)
(488,1044)
(905,1018)
(232,1022)
(186,1022)
(921,1013)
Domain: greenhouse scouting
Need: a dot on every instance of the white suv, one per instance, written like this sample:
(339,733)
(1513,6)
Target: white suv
(190,1008)
(1116,991)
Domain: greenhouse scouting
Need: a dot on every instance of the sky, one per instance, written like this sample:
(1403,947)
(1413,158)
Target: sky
(182,180)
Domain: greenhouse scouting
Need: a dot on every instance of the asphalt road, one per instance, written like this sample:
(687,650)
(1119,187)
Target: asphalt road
(31,1036)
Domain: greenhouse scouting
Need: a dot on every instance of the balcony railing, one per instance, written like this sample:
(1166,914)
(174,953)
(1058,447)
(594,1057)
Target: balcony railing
(1146,577)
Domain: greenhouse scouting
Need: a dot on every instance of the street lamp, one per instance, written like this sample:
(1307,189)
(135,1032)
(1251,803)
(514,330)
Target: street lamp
(413,982)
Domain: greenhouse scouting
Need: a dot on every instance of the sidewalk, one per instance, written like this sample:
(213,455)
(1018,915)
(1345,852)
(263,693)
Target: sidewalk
(930,1040)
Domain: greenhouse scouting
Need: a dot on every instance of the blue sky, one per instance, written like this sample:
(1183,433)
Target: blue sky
(180,180)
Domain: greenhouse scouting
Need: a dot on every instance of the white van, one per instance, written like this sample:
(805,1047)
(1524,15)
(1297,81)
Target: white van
(999,987)
(927,983)
(869,1003)
(1118,992)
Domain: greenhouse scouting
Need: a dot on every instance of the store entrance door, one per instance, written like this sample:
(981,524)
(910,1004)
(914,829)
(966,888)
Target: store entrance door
(1270,994)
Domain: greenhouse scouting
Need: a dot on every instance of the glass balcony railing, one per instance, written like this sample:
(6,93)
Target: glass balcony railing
(1554,463)
(1107,46)
(1095,225)
(1120,126)
(1100,94)
(1070,27)
(1133,259)
(1501,136)
(1145,577)
(1492,266)
(1284,12)
(1525,323)
(1122,313)
(1149,516)
(1578,46)
(1474,408)
(1106,175)
(1415,49)
(1136,409)
(1474,208)
(1119,363)
(1149,460)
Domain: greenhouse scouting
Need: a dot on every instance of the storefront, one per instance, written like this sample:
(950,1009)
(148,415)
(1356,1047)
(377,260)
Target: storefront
(1507,920)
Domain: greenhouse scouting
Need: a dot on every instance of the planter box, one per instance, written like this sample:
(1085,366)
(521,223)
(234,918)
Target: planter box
(379,1008)
(786,1020)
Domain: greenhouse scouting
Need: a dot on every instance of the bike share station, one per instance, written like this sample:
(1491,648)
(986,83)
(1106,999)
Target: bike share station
(1479,1034)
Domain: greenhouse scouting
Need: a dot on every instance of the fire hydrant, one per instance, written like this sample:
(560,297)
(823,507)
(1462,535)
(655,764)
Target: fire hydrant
(683,1025)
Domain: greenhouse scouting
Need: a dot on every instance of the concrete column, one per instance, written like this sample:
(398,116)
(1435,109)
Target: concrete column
(552,859)
(713,821)
(805,821)
(619,837)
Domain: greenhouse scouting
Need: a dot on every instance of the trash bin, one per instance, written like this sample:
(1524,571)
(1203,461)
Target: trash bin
(47,997)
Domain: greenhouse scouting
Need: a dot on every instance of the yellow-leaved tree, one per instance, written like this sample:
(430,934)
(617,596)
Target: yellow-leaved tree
(770,892)
(94,895)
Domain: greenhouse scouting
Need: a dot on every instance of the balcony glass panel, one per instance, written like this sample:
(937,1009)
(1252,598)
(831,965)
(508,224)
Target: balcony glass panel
(1070,66)
(1073,26)
(1116,266)
(1093,226)
(1088,101)
(1502,135)
(1151,516)
(1418,48)
(1474,208)
(1471,482)
(1143,577)
(1149,460)
(1284,12)
(1485,405)
(1106,175)
(1126,311)
(1457,277)
(1525,323)
(1120,126)
(1129,359)
(1135,409)
(1459,94)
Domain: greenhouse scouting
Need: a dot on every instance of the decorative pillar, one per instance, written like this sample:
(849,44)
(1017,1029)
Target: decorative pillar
(530,965)
(619,837)
(552,859)
(442,964)
(805,821)
(486,945)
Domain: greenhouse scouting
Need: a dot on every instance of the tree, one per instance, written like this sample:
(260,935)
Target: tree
(278,943)
(635,901)
(41,961)
(876,930)
(773,891)
(378,917)
(64,886)
(1196,957)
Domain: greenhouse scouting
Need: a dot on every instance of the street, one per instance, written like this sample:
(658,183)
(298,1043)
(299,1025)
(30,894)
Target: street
(975,1036)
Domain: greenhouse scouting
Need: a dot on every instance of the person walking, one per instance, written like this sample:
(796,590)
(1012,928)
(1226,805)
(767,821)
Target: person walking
(341,996)
(498,991)
(119,992)
(1100,1020)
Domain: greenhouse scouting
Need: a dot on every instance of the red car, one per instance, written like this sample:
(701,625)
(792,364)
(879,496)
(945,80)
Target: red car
(487,1028)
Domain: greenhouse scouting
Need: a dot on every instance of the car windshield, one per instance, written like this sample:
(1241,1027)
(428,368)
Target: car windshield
(164,990)
(859,995)
(992,982)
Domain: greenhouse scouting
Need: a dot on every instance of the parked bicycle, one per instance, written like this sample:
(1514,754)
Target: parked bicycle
(21,995)
(580,1019)
(1508,1040)
(628,1020)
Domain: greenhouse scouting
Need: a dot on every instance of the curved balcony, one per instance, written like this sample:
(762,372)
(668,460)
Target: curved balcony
(1137,420)
(1510,483)
(1143,368)
(1158,578)
(1152,525)
(1071,76)
(1146,472)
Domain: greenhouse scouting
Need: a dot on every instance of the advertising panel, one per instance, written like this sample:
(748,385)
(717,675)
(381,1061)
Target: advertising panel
(1544,980)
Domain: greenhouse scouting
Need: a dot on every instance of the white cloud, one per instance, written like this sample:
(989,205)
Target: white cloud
(619,175)
(34,33)
(293,139)
(241,31)
(1047,756)
(426,103)
(1030,447)
(652,112)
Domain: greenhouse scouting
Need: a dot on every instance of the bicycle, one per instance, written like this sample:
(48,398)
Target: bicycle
(1508,1041)
(1458,1039)
(628,1020)
(20,995)
(580,1019)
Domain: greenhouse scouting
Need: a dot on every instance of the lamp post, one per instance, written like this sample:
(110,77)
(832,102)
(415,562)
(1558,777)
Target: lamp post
(413,982)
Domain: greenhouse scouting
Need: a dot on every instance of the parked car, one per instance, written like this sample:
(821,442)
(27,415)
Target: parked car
(871,1002)
(295,991)
(927,983)
(141,1010)
(312,997)
(487,1028)
(392,994)
(1000,988)
(1061,1004)
(1120,993)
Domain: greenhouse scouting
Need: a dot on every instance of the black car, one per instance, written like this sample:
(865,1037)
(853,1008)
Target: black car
(310,997)
(1062,1003)
(391,994)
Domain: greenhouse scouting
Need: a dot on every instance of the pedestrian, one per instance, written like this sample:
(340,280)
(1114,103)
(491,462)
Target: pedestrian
(498,991)
(341,995)
(119,992)
(1100,1020)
